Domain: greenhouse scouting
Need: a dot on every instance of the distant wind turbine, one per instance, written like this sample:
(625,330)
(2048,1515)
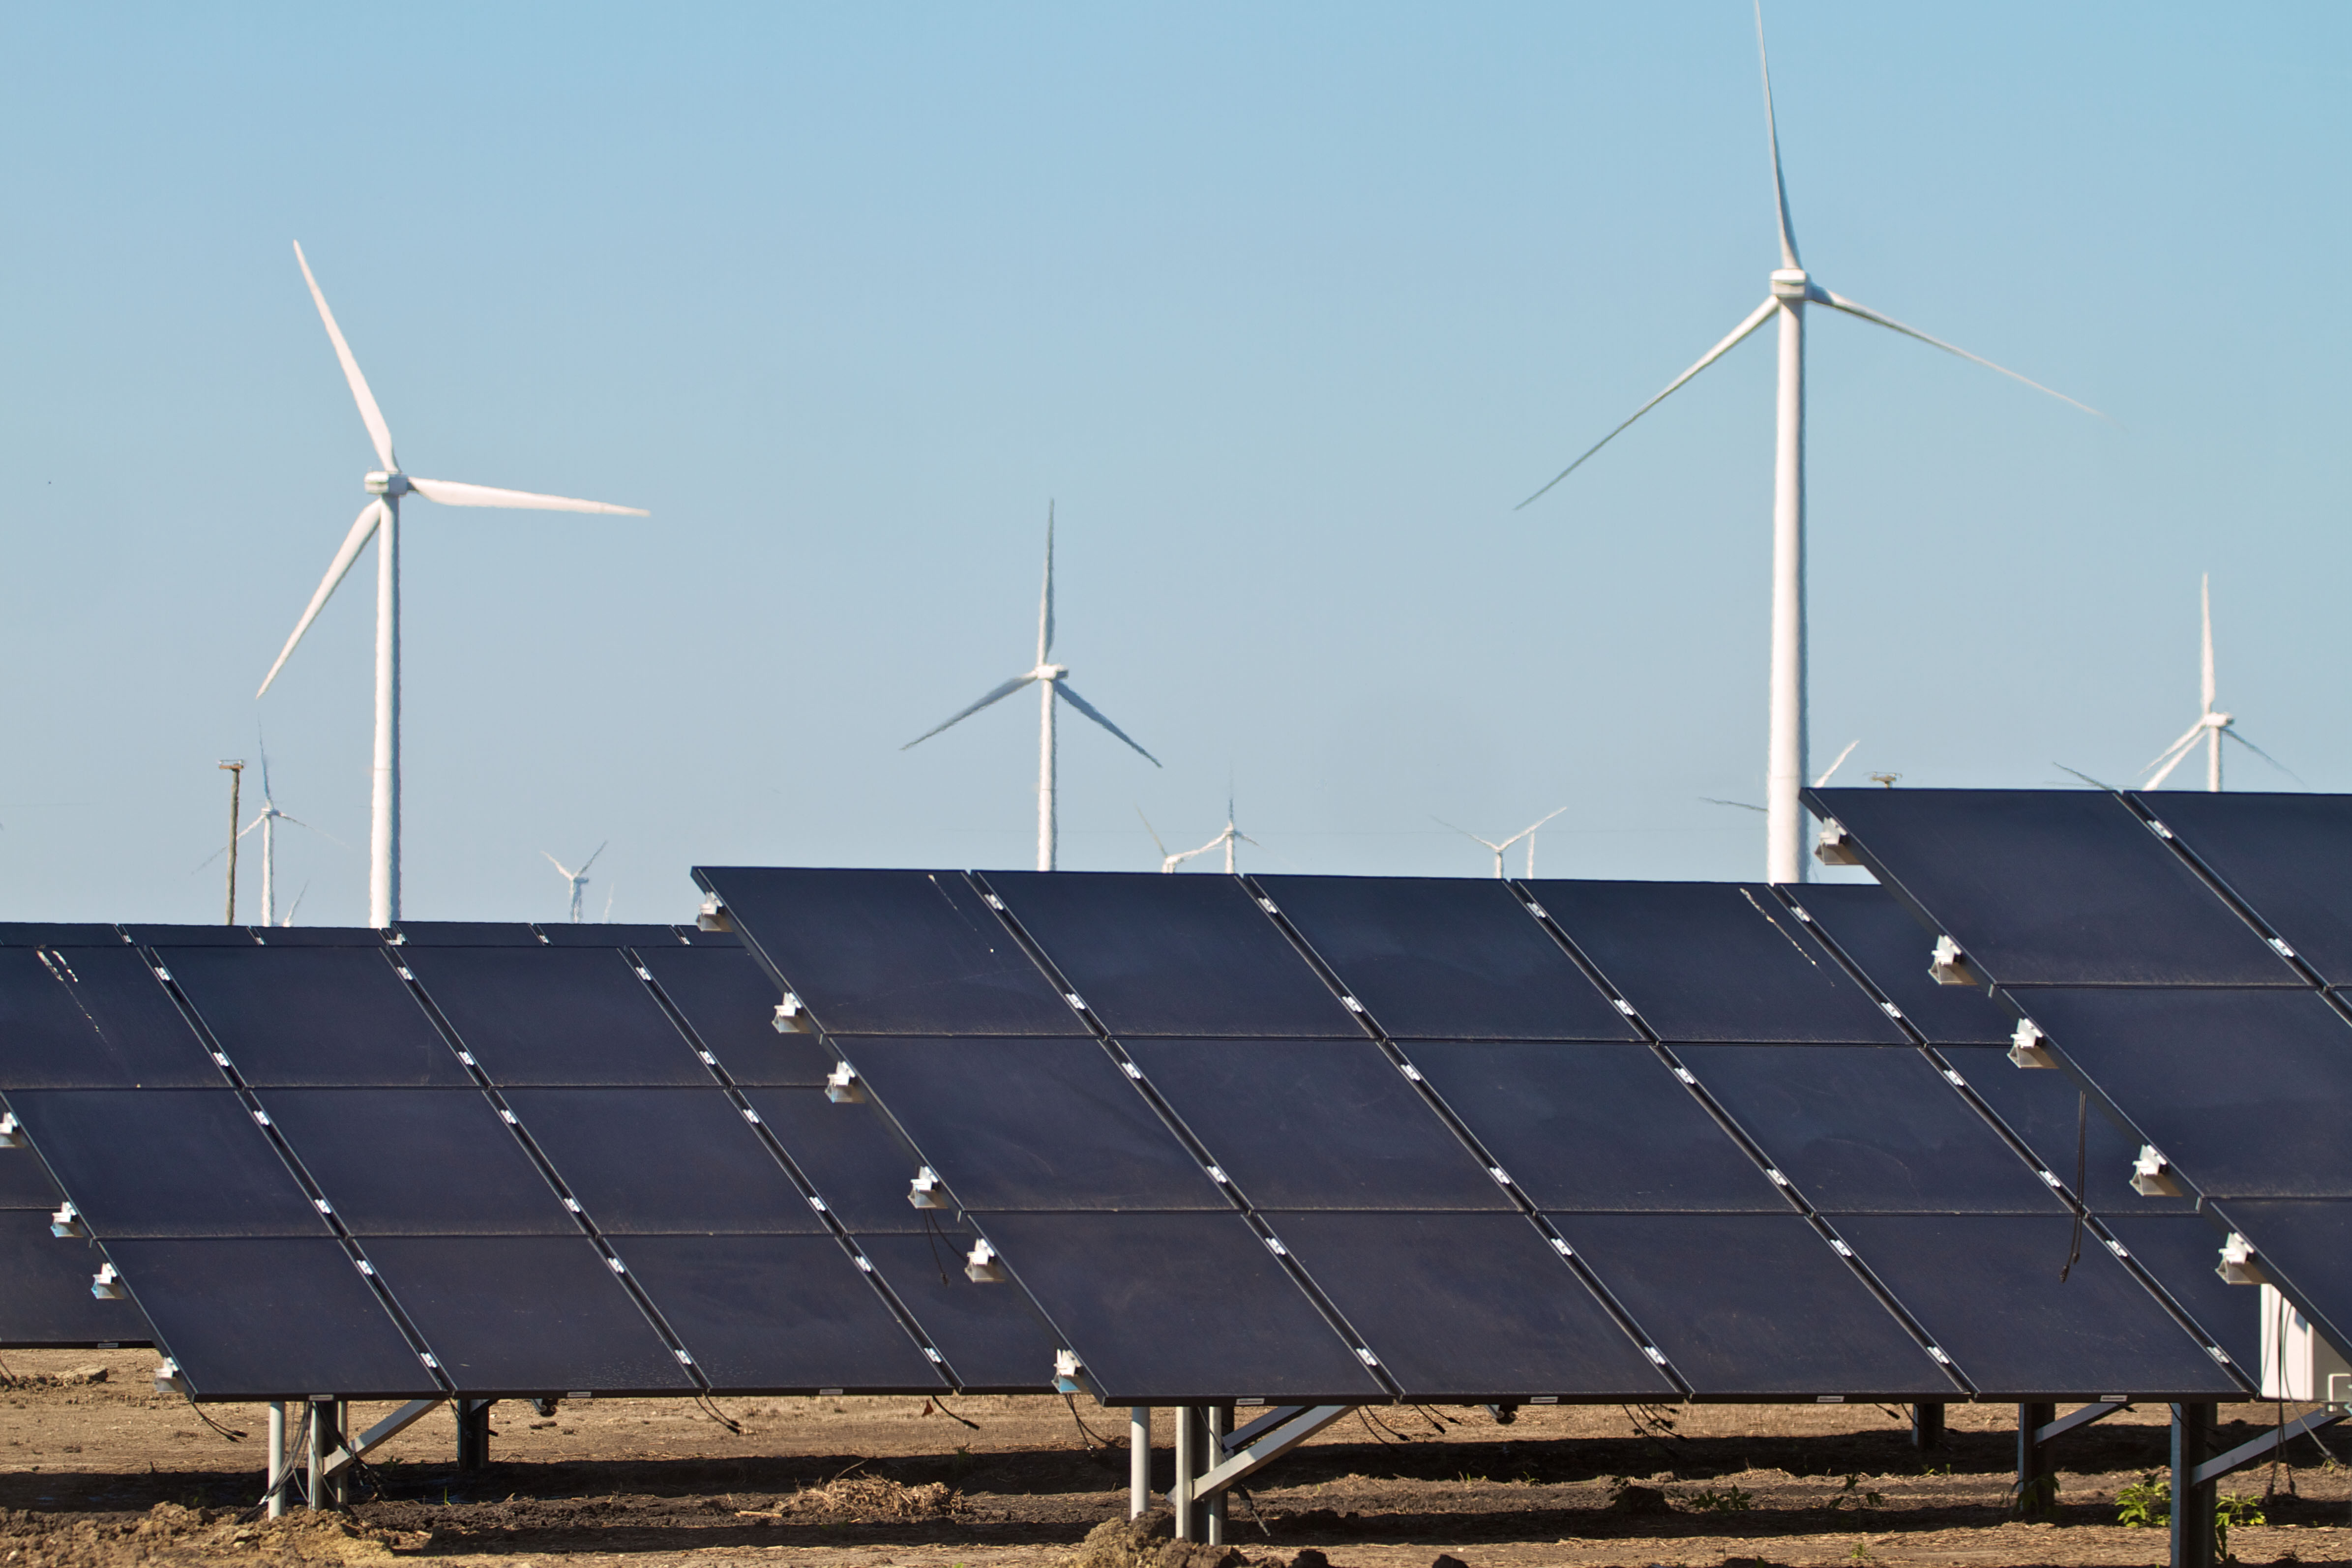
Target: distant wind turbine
(379,520)
(266,821)
(577,879)
(1228,836)
(1053,681)
(2212,724)
(1793,288)
(1527,832)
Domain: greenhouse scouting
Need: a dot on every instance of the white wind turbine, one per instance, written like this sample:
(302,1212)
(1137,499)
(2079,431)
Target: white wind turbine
(1228,836)
(379,520)
(578,880)
(265,820)
(2211,724)
(1527,832)
(1791,290)
(1053,681)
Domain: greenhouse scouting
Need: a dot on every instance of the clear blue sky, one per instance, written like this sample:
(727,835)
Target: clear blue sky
(1285,306)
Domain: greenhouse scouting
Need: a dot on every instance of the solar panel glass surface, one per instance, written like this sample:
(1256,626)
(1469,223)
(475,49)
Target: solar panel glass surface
(93,1018)
(850,1154)
(2304,1248)
(610,933)
(164,1162)
(556,1016)
(2181,1250)
(25,1183)
(313,1015)
(2289,857)
(416,1161)
(663,1162)
(1706,961)
(45,1296)
(467,933)
(58,933)
(1446,959)
(2046,1110)
(1887,943)
(729,1002)
(992,1336)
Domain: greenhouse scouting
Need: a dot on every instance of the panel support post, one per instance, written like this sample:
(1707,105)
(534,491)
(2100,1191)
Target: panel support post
(1138,1460)
(2192,1501)
(473,1432)
(277,1477)
(1927,1427)
(314,1462)
(2037,1484)
(339,1477)
(1220,1422)
(1180,1487)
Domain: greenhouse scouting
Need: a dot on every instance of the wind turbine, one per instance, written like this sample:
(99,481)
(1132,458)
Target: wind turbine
(379,520)
(2211,724)
(578,879)
(265,820)
(1793,288)
(1527,832)
(1229,835)
(1053,681)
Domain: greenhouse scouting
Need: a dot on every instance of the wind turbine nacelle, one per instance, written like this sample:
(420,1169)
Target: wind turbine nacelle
(1790,283)
(381,484)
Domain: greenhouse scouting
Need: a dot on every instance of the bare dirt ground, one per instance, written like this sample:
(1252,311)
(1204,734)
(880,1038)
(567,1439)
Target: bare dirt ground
(100,1474)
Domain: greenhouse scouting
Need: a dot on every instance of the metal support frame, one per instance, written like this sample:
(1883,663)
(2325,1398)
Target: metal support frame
(2268,1444)
(331,1454)
(279,1471)
(1219,1422)
(473,1432)
(2074,1420)
(1261,1442)
(1928,1425)
(2192,1488)
(314,1464)
(1189,1464)
(2037,1484)
(1138,1460)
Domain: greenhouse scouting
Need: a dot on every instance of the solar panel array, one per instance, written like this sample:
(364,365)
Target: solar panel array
(2184,954)
(477,1160)
(1330,1140)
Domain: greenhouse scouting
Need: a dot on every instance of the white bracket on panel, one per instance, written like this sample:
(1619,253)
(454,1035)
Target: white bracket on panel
(2152,1174)
(1950,967)
(2025,1046)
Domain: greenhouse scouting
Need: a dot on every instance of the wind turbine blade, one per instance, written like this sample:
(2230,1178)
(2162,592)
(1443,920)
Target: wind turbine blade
(2205,604)
(1756,318)
(1742,805)
(309,828)
(1096,714)
(250,826)
(1530,828)
(1488,842)
(353,542)
(591,859)
(450,493)
(1153,831)
(998,695)
(2231,733)
(1046,599)
(2169,757)
(379,433)
(559,868)
(1824,780)
(1840,302)
(1772,133)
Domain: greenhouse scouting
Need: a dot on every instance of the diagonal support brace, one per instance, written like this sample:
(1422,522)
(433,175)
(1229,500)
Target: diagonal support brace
(348,1452)
(1234,1442)
(2074,1420)
(1247,1458)
(2263,1446)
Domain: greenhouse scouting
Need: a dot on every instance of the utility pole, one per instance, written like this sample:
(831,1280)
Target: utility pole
(235,782)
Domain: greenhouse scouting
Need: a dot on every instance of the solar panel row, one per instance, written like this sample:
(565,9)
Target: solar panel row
(1335,1139)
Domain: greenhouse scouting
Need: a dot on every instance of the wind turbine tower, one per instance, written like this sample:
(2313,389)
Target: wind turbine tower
(379,520)
(578,879)
(1053,681)
(1792,289)
(1527,832)
(2212,726)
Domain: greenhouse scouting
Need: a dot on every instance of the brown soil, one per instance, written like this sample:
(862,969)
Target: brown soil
(102,1473)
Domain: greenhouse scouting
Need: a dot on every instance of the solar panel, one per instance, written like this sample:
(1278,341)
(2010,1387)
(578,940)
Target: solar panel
(1754,1306)
(2288,856)
(24,1182)
(609,935)
(992,1336)
(1705,961)
(556,1016)
(1469,1306)
(282,1318)
(851,1154)
(1173,954)
(1172,1309)
(319,937)
(45,1299)
(2045,1111)
(469,933)
(1446,959)
(1032,1123)
(1583,1126)
(54,934)
(164,1162)
(1865,1129)
(2247,1092)
(729,1002)
(1885,942)
(2181,1250)
(526,1315)
(191,936)
(2054,887)
(313,1015)
(663,1161)
(777,1314)
(1316,1125)
(905,952)
(93,1018)
(1986,1289)
(415,1162)
(2303,1246)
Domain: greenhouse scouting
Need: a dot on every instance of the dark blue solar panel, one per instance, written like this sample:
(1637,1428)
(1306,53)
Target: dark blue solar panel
(2289,857)
(1173,954)
(556,1016)
(850,1154)
(2044,1109)
(313,1015)
(777,1314)
(1446,959)
(526,1315)
(663,1161)
(1754,1306)
(192,935)
(1863,1129)
(1582,1126)
(729,1002)
(415,1162)
(2181,1250)
(990,1335)
(2247,1092)
(24,1182)
(2054,887)
(1173,1309)
(606,933)
(53,934)
(1887,943)
(281,1319)
(319,937)
(1986,1288)
(1031,1124)
(1714,961)
(93,1018)
(2305,1248)
(890,952)
(164,1162)
(467,933)
(45,1296)
(1316,1125)
(1469,1306)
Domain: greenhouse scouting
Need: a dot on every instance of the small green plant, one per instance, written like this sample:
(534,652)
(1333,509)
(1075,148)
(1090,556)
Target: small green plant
(1710,1499)
(1853,1496)
(2038,1495)
(2230,1508)
(2146,1504)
